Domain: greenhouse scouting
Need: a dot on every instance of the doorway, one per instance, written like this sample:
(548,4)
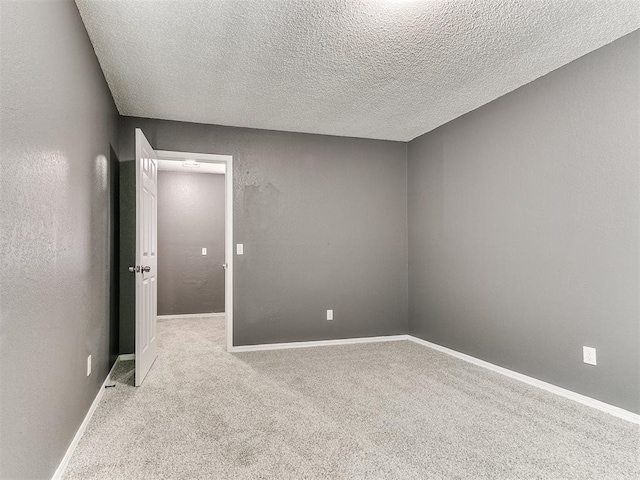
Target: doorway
(146,251)
(207,171)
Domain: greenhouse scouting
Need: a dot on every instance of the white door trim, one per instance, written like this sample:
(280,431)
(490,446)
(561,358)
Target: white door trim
(228,224)
(191,315)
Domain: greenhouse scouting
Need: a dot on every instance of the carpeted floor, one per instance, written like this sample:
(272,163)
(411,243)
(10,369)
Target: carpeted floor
(393,410)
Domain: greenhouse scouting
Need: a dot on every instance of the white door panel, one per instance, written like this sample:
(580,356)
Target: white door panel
(146,256)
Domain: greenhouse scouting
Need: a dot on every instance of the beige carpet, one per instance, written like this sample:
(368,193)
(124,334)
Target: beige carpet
(393,410)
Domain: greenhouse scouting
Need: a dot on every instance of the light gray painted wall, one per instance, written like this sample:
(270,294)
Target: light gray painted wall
(58,123)
(323,222)
(523,228)
(190,216)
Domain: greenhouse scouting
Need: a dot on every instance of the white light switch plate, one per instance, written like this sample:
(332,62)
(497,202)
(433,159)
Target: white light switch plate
(589,355)
(88,365)
(239,249)
(204,251)
(329,314)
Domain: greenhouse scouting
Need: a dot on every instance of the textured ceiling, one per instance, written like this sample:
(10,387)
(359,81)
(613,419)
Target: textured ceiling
(388,69)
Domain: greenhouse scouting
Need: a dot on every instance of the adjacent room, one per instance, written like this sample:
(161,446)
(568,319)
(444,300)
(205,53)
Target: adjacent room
(320,239)
(190,238)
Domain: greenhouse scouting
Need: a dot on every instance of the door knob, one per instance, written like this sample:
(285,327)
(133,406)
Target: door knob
(139,269)
(224,265)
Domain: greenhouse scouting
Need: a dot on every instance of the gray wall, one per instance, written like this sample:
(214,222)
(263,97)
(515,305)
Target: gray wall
(323,223)
(127,257)
(523,228)
(114,257)
(190,216)
(58,124)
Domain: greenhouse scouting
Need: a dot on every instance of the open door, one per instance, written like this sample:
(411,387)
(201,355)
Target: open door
(146,256)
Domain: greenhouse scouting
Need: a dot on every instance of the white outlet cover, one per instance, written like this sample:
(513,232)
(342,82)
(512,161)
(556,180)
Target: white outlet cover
(204,251)
(88,365)
(239,249)
(329,314)
(589,355)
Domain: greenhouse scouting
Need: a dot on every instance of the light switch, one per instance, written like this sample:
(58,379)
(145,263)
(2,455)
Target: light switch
(204,250)
(239,249)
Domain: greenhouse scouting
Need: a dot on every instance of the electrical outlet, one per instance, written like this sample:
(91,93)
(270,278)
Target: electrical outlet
(589,355)
(88,365)
(329,314)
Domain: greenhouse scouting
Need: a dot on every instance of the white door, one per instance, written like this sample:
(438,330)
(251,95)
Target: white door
(146,256)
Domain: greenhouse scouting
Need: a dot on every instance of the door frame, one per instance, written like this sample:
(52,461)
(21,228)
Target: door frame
(227,160)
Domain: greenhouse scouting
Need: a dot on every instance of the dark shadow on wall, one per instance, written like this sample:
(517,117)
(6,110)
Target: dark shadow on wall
(127,254)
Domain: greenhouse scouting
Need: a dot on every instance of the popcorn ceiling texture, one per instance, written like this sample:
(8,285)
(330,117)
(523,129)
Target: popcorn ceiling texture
(386,69)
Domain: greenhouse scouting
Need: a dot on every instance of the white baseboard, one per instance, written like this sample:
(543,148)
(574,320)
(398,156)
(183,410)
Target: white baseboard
(83,426)
(583,399)
(318,343)
(192,315)
(563,392)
